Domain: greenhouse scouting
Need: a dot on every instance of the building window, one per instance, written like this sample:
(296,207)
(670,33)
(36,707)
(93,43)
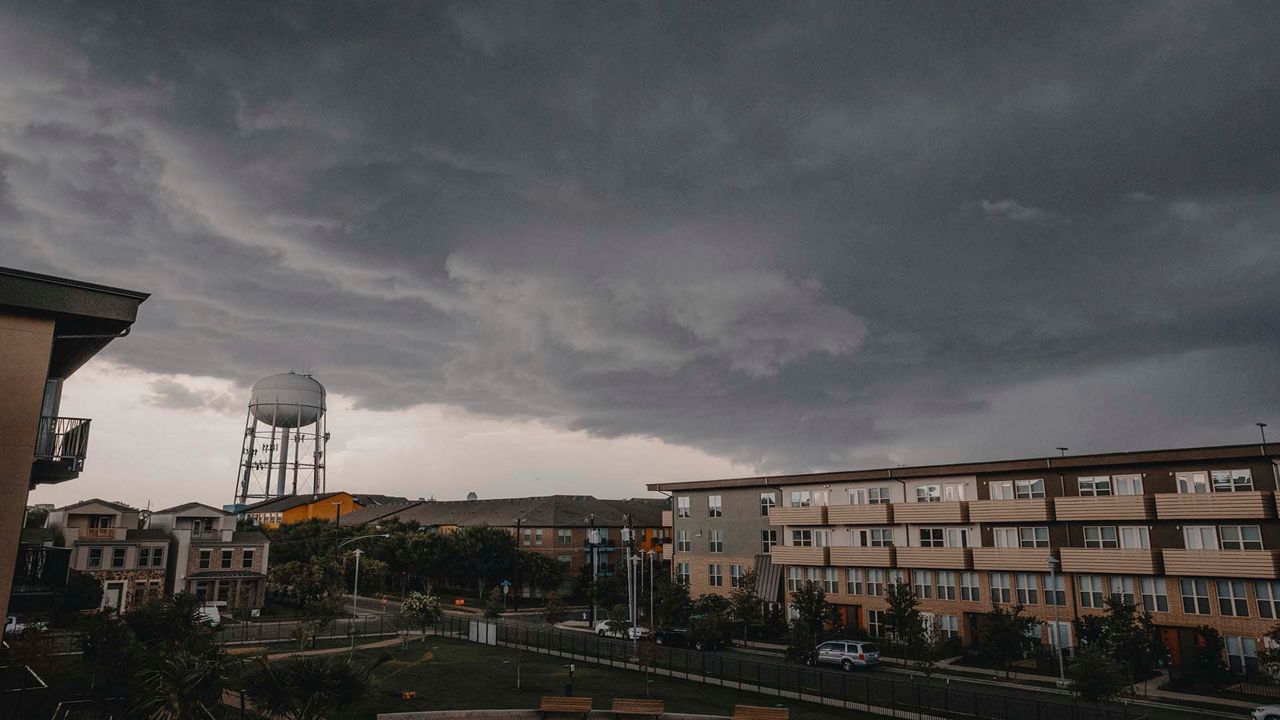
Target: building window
(957,537)
(1155,596)
(853,581)
(1231,598)
(246,559)
(1033,537)
(1268,593)
(923,583)
(831,580)
(1101,536)
(1193,483)
(1200,537)
(537,536)
(713,571)
(969,591)
(948,627)
(1063,629)
(1005,537)
(735,576)
(928,493)
(1135,537)
(119,556)
(1123,586)
(768,538)
(95,558)
(795,579)
(682,506)
(801,498)
(1017,489)
(144,557)
(682,573)
(713,506)
(528,536)
(869,496)
(1127,484)
(767,500)
(1241,537)
(931,537)
(1055,590)
(802,538)
(226,559)
(564,536)
(1195,595)
(682,541)
(875,581)
(1001,591)
(1027,592)
(946,585)
(206,559)
(1232,480)
(1090,590)
(1097,485)
(876,537)
(716,542)
(1242,655)
(875,623)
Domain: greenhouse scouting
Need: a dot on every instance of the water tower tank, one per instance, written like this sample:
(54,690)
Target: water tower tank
(287,400)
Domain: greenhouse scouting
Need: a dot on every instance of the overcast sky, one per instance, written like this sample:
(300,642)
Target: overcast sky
(540,247)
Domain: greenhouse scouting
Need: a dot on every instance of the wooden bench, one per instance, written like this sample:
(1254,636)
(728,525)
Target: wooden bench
(630,706)
(755,712)
(561,705)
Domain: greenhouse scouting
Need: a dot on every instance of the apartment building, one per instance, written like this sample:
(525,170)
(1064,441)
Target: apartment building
(107,541)
(49,328)
(1189,534)
(211,559)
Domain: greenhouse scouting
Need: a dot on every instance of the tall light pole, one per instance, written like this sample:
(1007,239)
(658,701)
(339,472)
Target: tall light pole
(355,588)
(1053,581)
(1262,428)
(337,514)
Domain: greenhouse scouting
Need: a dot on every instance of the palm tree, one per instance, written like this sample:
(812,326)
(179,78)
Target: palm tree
(181,686)
(305,687)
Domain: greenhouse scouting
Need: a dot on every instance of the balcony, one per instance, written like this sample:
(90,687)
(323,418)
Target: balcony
(1111,560)
(939,558)
(933,513)
(102,533)
(41,569)
(999,511)
(1106,507)
(860,514)
(814,515)
(666,518)
(1016,559)
(1255,505)
(1221,563)
(792,555)
(863,556)
(61,444)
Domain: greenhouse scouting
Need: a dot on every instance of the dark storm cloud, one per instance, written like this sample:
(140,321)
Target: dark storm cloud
(796,235)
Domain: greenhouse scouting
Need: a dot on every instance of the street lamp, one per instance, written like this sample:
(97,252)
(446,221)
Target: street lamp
(1053,582)
(355,588)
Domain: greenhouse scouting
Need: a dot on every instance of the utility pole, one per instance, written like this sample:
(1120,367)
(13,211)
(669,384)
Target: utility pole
(1057,650)
(1262,428)
(651,554)
(592,539)
(516,602)
(355,599)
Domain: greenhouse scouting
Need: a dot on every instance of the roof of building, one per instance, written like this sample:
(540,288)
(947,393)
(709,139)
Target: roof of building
(119,507)
(1067,463)
(378,512)
(248,536)
(289,502)
(146,534)
(189,506)
(544,511)
(373,500)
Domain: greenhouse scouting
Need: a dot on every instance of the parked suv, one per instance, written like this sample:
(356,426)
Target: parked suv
(848,654)
(679,637)
(604,628)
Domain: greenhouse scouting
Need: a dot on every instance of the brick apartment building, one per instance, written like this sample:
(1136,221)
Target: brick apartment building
(1189,534)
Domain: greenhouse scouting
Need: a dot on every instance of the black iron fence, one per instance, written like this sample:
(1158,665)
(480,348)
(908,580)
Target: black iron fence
(366,626)
(858,690)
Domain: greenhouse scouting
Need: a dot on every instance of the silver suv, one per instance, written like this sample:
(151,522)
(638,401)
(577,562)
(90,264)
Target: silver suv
(848,654)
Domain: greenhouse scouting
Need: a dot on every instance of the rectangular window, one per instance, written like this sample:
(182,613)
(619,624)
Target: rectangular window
(1101,536)
(768,538)
(946,585)
(537,536)
(831,580)
(717,578)
(1001,589)
(875,581)
(953,492)
(1135,537)
(715,542)
(1033,537)
(682,541)
(735,576)
(928,493)
(1232,480)
(1241,537)
(1055,590)
(876,537)
(682,573)
(1127,484)
(1232,601)
(118,557)
(1155,595)
(875,623)
(206,559)
(1002,490)
(801,498)
(528,536)
(682,506)
(95,558)
(969,591)
(869,496)
(1200,537)
(1268,592)
(811,575)
(144,557)
(1242,655)
(1005,537)
(1063,629)
(246,559)
(922,580)
(1123,586)
(1090,590)
(1193,483)
(713,506)
(1028,489)
(1028,594)
(957,537)
(795,578)
(767,500)
(565,559)
(564,536)
(948,626)
(931,537)
(226,559)
(853,581)
(1097,485)
(1195,595)
(802,538)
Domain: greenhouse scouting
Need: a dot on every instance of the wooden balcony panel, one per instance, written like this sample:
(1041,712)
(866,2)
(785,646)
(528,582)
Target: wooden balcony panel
(798,516)
(1221,563)
(938,513)
(1014,559)
(790,555)
(1107,507)
(1256,505)
(863,556)
(666,518)
(1111,561)
(860,514)
(1000,511)
(939,558)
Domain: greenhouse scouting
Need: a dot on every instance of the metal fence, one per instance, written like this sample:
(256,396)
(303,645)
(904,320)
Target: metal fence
(858,691)
(280,630)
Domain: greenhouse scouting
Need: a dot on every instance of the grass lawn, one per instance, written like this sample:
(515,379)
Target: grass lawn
(454,674)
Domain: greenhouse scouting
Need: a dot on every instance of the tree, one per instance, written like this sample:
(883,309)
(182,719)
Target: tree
(105,644)
(1095,675)
(747,608)
(619,618)
(1207,667)
(672,604)
(173,625)
(554,610)
(1269,652)
(496,603)
(1122,632)
(709,621)
(373,573)
(317,580)
(422,610)
(483,554)
(1006,636)
(811,608)
(83,592)
(180,686)
(306,541)
(542,572)
(903,619)
(36,517)
(306,687)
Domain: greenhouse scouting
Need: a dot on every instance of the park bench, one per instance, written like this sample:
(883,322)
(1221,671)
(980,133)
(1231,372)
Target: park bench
(630,706)
(755,712)
(561,705)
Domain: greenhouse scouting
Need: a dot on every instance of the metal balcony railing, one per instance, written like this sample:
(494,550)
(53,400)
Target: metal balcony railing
(64,441)
(98,533)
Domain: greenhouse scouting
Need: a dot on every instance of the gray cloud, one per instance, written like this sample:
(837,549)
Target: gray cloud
(748,229)
(167,393)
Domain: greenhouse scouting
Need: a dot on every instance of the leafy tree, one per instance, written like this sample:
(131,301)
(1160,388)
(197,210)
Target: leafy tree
(1123,632)
(173,625)
(709,621)
(423,556)
(105,644)
(1004,635)
(542,572)
(306,541)
(1269,652)
(483,555)
(317,580)
(83,592)
(307,687)
(423,610)
(903,619)
(373,573)
(1207,667)
(496,603)
(554,610)
(1095,675)
(672,604)
(747,608)
(811,609)
(180,686)
(619,617)
(36,517)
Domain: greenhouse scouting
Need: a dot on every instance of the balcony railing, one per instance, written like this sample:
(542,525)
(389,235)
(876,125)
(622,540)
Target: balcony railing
(881,514)
(792,555)
(996,511)
(1117,561)
(1221,563)
(940,558)
(98,533)
(1105,507)
(862,556)
(1018,559)
(813,515)
(955,511)
(41,569)
(61,445)
(1255,505)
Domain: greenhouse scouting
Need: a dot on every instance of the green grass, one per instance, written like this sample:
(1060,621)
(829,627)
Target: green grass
(453,674)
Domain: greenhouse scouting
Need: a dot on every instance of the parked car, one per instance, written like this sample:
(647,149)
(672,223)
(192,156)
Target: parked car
(679,637)
(209,613)
(13,627)
(848,654)
(1266,712)
(604,628)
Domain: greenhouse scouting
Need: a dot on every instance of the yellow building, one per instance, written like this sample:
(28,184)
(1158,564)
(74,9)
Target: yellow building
(273,513)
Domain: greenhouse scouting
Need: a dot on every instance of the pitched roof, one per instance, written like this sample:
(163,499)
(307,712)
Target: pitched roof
(287,502)
(146,534)
(373,500)
(189,506)
(545,511)
(248,536)
(378,512)
(119,507)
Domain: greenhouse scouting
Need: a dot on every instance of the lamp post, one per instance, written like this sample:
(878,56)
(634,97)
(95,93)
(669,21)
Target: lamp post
(1262,428)
(337,514)
(1053,581)
(355,588)
(592,539)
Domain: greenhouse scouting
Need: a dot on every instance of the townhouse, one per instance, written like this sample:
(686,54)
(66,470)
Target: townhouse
(1190,534)
(107,541)
(212,559)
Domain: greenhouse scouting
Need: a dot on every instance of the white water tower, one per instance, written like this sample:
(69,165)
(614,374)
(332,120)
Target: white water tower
(284,439)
